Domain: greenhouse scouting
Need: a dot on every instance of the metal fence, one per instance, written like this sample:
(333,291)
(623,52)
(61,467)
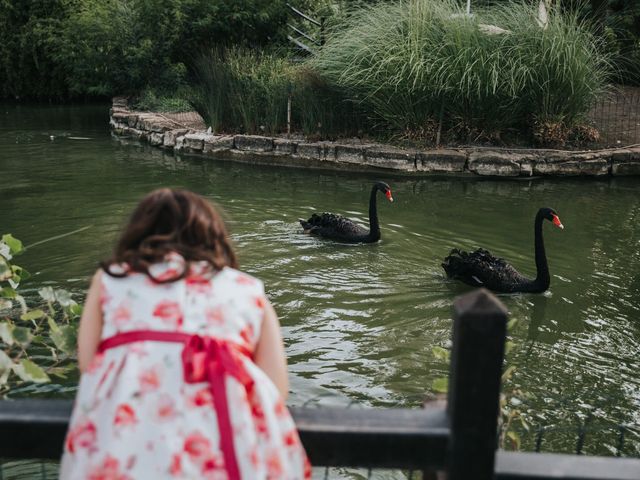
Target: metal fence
(616,116)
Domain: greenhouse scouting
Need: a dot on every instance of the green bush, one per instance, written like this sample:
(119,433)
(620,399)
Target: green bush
(29,32)
(71,48)
(623,35)
(172,102)
(410,64)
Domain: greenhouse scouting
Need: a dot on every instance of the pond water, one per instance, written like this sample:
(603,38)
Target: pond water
(360,321)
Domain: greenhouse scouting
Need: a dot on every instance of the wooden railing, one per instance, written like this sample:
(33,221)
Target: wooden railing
(459,438)
(302,36)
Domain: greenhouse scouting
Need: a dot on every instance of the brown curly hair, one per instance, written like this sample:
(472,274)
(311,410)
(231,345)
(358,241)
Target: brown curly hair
(171,220)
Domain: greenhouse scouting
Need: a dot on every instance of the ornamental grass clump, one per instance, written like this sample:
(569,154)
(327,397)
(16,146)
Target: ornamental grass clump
(412,63)
(238,90)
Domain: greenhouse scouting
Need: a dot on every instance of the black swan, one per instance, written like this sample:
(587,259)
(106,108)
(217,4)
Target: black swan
(337,227)
(481,269)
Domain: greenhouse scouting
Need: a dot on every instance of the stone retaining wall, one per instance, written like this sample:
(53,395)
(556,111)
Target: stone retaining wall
(162,132)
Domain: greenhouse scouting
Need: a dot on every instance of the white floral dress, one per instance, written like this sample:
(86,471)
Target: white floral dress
(137,416)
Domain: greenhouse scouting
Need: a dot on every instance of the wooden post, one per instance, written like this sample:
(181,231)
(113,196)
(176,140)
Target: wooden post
(479,331)
(289,113)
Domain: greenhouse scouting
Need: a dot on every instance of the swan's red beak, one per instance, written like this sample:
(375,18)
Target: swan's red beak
(388,194)
(557,222)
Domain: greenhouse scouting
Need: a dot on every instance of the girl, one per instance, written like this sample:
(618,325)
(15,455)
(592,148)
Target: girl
(183,366)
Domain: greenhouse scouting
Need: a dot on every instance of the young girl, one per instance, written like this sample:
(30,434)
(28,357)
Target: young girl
(183,367)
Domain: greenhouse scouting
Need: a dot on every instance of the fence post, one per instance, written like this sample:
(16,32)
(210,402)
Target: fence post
(479,331)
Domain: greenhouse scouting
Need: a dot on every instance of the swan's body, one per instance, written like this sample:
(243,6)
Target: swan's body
(337,227)
(482,269)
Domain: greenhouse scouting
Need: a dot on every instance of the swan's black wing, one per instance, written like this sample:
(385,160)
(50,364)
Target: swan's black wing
(333,226)
(482,269)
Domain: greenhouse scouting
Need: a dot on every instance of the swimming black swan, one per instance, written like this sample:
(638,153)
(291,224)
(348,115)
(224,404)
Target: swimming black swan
(337,227)
(481,269)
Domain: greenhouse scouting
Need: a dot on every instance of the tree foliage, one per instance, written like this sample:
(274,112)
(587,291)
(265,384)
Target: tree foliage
(67,48)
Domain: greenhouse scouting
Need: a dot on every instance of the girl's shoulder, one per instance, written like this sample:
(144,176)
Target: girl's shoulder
(239,278)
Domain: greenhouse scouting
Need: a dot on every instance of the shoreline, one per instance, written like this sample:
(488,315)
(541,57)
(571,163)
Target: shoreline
(160,131)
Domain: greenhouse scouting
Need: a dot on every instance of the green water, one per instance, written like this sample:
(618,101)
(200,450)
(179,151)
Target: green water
(360,321)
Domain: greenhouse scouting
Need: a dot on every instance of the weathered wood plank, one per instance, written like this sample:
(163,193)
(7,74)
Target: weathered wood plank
(341,437)
(390,438)
(551,466)
(33,428)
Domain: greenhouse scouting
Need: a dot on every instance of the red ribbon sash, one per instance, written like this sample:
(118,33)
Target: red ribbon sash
(204,359)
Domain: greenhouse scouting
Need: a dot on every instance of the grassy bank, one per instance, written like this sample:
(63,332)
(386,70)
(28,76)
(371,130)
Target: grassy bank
(415,70)
(238,90)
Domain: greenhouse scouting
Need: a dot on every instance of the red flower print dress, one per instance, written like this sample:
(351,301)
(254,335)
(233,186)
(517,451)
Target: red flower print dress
(138,415)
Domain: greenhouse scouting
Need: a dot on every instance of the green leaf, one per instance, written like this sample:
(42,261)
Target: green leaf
(515,439)
(6,333)
(64,298)
(14,244)
(5,270)
(508,373)
(75,310)
(53,326)
(30,372)
(32,315)
(60,372)
(440,385)
(47,294)
(8,292)
(512,324)
(65,337)
(22,335)
(20,272)
(508,346)
(441,353)
(6,365)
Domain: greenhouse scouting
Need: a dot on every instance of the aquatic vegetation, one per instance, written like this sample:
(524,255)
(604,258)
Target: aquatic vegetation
(35,342)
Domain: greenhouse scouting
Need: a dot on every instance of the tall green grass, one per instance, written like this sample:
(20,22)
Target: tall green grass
(241,90)
(411,63)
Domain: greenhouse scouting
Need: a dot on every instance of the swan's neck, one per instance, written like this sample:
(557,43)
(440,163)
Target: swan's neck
(374,227)
(542,278)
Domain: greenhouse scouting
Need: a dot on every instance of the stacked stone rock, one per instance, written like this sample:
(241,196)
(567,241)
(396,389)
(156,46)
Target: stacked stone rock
(160,131)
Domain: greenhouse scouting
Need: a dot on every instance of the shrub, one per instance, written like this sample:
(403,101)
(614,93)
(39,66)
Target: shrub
(29,32)
(411,63)
(242,90)
(152,100)
(61,48)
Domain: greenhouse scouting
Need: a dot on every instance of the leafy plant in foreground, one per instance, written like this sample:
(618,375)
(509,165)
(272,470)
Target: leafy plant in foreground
(35,342)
